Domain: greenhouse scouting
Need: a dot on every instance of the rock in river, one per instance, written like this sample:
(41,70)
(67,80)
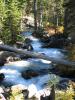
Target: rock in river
(29,74)
(2,76)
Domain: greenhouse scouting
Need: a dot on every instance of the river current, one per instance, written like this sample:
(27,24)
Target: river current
(37,84)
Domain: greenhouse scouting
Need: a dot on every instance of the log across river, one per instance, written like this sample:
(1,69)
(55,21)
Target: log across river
(37,55)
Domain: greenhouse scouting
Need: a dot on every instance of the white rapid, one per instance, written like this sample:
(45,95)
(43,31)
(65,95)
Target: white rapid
(37,84)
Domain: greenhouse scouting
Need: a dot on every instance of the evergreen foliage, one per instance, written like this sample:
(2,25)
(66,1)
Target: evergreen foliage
(13,11)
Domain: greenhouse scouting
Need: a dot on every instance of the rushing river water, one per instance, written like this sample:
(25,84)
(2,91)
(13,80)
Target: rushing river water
(13,70)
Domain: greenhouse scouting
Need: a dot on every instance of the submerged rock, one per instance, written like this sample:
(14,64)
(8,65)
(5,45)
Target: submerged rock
(29,74)
(2,76)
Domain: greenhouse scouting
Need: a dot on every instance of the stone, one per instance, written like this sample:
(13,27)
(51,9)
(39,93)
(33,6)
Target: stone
(2,97)
(28,47)
(18,88)
(2,76)
(12,59)
(2,62)
(58,43)
(29,74)
(65,71)
(6,57)
(1,90)
(25,93)
(27,41)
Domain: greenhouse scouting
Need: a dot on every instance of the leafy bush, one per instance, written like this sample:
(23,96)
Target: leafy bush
(66,95)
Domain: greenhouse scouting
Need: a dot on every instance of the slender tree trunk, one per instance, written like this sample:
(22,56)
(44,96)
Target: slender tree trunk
(41,12)
(57,21)
(13,31)
(35,16)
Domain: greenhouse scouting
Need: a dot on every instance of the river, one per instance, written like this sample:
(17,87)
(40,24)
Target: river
(37,84)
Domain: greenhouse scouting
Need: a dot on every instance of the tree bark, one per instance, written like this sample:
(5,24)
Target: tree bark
(37,55)
(41,12)
(35,16)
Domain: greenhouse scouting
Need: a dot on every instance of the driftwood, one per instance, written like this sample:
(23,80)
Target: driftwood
(37,55)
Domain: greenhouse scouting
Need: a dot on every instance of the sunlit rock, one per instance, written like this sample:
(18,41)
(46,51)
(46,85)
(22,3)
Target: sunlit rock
(4,55)
(32,90)
(1,90)
(2,97)
(17,88)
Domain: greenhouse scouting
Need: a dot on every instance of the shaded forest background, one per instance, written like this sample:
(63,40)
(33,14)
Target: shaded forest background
(14,15)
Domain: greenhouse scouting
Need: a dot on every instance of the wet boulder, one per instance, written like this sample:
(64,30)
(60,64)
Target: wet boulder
(5,56)
(25,93)
(12,59)
(57,43)
(27,46)
(65,71)
(27,41)
(2,62)
(29,74)
(2,76)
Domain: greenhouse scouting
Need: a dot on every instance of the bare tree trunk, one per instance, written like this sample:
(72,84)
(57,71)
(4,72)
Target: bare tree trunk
(57,21)
(41,11)
(35,16)
(52,94)
(12,30)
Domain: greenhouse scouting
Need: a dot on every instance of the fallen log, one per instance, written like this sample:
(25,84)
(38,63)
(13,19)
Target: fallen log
(37,55)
